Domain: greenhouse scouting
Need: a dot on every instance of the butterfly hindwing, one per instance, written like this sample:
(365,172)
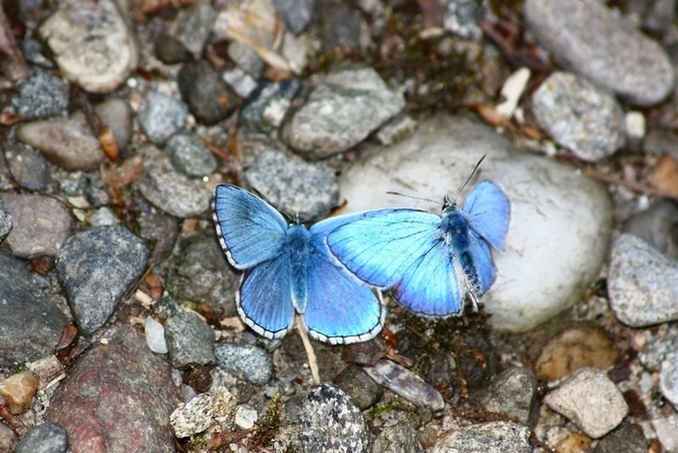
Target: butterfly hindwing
(487,209)
(379,246)
(250,230)
(264,300)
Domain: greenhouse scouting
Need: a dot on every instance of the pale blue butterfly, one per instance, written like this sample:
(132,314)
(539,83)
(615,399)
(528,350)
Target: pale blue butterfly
(429,262)
(288,268)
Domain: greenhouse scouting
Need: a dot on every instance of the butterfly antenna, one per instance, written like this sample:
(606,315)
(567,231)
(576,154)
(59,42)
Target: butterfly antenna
(391,192)
(475,169)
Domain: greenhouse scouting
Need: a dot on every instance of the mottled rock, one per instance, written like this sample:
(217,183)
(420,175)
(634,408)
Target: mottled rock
(28,167)
(190,156)
(41,95)
(47,437)
(492,437)
(364,391)
(207,96)
(189,339)
(161,116)
(267,105)
(247,362)
(513,392)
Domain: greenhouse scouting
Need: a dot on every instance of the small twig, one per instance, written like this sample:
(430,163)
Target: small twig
(310,353)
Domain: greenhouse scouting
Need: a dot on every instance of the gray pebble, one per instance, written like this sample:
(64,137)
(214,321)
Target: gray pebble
(627,438)
(513,393)
(341,112)
(169,49)
(588,38)
(657,225)
(208,97)
(339,24)
(189,339)
(28,167)
(96,268)
(160,230)
(492,437)
(659,345)
(48,437)
(201,273)
(590,400)
(66,142)
(359,386)
(405,383)
(117,115)
(194,25)
(666,429)
(42,95)
(92,43)
(579,116)
(460,18)
(41,224)
(30,325)
(5,221)
(267,105)
(297,14)
(246,58)
(171,191)
(659,16)
(668,378)
(293,185)
(398,438)
(330,422)
(189,156)
(642,283)
(246,362)
(161,116)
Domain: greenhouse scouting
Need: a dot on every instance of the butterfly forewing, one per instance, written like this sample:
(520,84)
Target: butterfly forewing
(487,209)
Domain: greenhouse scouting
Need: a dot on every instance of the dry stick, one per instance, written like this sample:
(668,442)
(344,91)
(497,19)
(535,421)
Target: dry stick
(310,353)
(15,66)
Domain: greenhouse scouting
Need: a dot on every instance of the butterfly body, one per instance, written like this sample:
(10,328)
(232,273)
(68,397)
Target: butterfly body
(287,268)
(429,262)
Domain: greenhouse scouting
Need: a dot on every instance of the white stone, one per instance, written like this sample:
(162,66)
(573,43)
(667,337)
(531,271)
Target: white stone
(590,400)
(245,416)
(92,42)
(155,335)
(635,125)
(560,219)
(193,417)
(667,432)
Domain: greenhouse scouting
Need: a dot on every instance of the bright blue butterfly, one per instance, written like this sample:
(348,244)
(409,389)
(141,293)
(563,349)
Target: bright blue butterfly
(287,267)
(429,262)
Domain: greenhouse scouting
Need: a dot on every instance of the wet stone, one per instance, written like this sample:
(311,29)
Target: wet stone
(96,268)
(341,112)
(492,437)
(30,324)
(42,95)
(579,116)
(92,43)
(246,362)
(297,14)
(304,188)
(267,105)
(117,397)
(66,142)
(398,438)
(364,391)
(28,167)
(590,400)
(189,339)
(513,393)
(330,422)
(173,192)
(405,383)
(642,283)
(48,437)
(207,96)
(41,224)
(657,225)
(161,116)
(189,156)
(202,274)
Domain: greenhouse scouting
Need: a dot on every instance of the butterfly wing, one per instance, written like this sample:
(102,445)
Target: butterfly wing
(264,301)
(380,246)
(487,209)
(250,230)
(430,285)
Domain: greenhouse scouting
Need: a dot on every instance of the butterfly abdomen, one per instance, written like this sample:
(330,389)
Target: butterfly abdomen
(298,249)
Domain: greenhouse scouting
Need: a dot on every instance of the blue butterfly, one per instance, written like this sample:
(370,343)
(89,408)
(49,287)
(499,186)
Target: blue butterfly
(429,262)
(288,268)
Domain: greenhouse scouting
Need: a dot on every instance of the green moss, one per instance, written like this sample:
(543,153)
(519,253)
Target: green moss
(269,424)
